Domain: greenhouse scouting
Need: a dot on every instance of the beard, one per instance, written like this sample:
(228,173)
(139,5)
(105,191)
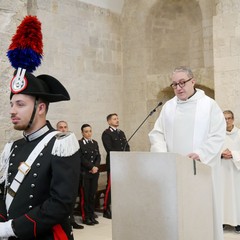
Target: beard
(20,127)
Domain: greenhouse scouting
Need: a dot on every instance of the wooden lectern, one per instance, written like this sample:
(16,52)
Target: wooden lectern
(159,196)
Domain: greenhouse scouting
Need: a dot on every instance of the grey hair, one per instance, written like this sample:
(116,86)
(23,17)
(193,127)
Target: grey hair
(62,121)
(229,112)
(185,69)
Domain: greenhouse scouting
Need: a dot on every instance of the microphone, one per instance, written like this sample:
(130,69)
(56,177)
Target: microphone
(150,114)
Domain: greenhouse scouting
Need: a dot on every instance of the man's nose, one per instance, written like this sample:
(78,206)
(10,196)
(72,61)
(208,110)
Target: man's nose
(12,110)
(178,87)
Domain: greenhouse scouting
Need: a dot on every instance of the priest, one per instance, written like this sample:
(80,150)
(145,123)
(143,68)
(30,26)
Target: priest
(193,125)
(231,173)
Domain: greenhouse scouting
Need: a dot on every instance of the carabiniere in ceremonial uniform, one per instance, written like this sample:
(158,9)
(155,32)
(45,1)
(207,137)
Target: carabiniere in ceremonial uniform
(90,157)
(40,171)
(113,140)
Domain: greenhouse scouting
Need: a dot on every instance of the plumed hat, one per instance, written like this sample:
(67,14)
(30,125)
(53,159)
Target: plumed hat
(25,54)
(42,86)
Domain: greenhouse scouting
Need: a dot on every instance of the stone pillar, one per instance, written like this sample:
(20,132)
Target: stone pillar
(226,46)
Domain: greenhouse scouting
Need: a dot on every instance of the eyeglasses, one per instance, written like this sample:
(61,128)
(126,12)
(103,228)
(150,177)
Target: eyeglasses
(180,84)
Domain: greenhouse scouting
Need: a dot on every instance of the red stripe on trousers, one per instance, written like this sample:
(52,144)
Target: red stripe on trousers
(82,201)
(107,194)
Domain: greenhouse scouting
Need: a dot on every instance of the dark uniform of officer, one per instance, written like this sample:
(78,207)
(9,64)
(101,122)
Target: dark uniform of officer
(113,140)
(41,205)
(90,157)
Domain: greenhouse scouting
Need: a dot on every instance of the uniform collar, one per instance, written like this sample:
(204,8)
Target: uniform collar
(85,141)
(36,134)
(112,129)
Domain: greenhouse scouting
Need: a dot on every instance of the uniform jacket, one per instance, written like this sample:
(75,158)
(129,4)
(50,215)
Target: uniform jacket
(43,202)
(90,155)
(114,140)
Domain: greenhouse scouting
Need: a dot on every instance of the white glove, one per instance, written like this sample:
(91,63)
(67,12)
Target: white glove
(6,229)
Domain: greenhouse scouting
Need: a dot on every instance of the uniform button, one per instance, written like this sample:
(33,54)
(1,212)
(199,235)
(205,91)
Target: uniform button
(8,184)
(8,214)
(91,156)
(41,154)
(15,146)
(9,174)
(32,185)
(35,175)
(38,164)
(30,196)
(11,164)
(13,155)
(30,207)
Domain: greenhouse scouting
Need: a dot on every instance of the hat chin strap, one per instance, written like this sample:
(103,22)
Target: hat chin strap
(33,113)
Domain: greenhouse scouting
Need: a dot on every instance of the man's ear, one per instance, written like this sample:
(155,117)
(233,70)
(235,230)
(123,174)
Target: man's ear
(42,107)
(193,81)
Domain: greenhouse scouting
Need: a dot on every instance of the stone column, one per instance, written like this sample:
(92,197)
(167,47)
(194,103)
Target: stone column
(226,46)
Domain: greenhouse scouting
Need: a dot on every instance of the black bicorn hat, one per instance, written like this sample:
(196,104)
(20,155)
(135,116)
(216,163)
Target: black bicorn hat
(43,86)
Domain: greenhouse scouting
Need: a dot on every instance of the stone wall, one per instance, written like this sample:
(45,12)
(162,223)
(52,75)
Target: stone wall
(82,48)
(226,41)
(121,62)
(10,16)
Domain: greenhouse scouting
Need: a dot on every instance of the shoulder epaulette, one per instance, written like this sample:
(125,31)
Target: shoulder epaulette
(4,160)
(66,144)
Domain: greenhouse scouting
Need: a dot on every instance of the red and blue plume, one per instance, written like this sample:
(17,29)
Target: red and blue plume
(26,49)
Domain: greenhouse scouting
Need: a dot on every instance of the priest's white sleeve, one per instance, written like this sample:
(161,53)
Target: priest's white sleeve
(211,147)
(156,137)
(236,159)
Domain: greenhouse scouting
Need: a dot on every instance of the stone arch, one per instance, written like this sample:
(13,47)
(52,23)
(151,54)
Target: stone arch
(157,36)
(174,35)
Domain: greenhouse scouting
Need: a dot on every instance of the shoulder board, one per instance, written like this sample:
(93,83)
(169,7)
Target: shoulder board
(65,145)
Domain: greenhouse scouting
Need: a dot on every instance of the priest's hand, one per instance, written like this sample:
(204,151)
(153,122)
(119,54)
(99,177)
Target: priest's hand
(226,154)
(194,156)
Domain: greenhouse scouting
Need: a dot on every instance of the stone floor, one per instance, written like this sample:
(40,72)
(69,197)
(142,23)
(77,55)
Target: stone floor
(229,234)
(103,231)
